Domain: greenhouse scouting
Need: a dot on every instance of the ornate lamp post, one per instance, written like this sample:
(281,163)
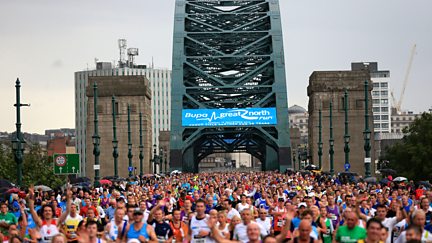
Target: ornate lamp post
(331,140)
(367,132)
(141,147)
(130,156)
(166,162)
(154,159)
(294,160)
(320,143)
(115,141)
(346,135)
(160,158)
(95,137)
(17,142)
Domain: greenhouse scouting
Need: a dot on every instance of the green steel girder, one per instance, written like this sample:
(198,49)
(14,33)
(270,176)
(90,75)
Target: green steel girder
(228,54)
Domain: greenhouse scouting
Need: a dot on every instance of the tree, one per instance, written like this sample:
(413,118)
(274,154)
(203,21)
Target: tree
(412,156)
(37,167)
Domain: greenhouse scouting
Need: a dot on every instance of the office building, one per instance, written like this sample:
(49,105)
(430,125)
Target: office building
(381,107)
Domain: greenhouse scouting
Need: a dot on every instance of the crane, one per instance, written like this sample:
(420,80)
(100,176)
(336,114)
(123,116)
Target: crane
(398,104)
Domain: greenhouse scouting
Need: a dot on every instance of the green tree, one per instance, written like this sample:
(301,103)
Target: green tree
(412,156)
(37,167)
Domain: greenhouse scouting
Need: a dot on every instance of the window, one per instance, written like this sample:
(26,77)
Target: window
(384,109)
(384,101)
(376,109)
(376,125)
(360,104)
(385,125)
(375,101)
(384,84)
(376,117)
(375,93)
(100,109)
(384,92)
(376,85)
(384,117)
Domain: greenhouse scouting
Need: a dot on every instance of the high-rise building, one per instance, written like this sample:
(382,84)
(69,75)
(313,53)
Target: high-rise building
(160,85)
(403,119)
(381,107)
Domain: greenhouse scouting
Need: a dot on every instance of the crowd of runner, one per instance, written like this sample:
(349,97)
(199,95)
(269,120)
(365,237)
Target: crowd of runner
(222,207)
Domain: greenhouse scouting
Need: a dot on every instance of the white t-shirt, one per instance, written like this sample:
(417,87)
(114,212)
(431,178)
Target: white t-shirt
(266,224)
(426,237)
(240,232)
(233,212)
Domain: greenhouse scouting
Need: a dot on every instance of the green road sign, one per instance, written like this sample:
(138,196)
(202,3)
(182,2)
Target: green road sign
(65,164)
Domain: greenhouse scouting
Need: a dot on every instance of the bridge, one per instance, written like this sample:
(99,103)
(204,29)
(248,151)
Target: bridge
(228,83)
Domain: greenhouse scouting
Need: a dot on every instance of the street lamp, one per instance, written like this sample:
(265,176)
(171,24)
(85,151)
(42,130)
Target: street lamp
(367,132)
(346,135)
(130,156)
(114,141)
(141,147)
(320,143)
(161,152)
(166,161)
(95,137)
(154,159)
(294,160)
(17,142)
(331,140)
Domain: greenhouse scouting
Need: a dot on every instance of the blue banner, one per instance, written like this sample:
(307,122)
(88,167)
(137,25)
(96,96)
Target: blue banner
(229,117)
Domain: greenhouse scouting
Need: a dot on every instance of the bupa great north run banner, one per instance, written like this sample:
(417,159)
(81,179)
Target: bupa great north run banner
(228,117)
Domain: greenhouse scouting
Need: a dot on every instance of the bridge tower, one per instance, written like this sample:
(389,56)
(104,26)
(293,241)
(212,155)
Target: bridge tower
(228,61)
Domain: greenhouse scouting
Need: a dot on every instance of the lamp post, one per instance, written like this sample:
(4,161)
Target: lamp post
(141,147)
(166,162)
(95,137)
(331,140)
(299,158)
(154,159)
(160,159)
(346,135)
(17,142)
(367,132)
(114,141)
(130,156)
(294,160)
(320,143)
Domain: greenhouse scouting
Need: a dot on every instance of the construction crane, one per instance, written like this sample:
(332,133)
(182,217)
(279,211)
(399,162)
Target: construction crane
(398,104)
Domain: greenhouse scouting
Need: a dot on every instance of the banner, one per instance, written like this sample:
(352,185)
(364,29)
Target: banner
(228,117)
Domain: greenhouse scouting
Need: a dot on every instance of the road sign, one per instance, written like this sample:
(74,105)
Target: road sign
(130,169)
(347,166)
(65,164)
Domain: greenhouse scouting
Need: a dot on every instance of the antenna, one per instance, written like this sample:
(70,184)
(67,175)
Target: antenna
(131,52)
(122,48)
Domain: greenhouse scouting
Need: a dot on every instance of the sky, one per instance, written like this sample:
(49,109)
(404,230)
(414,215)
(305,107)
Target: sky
(44,42)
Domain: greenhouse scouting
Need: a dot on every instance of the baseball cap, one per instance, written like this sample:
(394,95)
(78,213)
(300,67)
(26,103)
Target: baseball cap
(302,204)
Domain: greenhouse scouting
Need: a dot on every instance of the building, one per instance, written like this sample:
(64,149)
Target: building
(298,117)
(328,87)
(132,91)
(401,120)
(381,106)
(60,145)
(160,85)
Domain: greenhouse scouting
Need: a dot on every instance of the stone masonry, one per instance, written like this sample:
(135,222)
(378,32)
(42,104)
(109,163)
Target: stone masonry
(326,86)
(132,90)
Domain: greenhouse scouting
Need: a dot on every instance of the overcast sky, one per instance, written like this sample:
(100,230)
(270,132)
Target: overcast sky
(44,42)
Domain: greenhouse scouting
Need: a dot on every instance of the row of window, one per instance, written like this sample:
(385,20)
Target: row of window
(382,117)
(382,85)
(381,125)
(380,109)
(382,92)
(379,101)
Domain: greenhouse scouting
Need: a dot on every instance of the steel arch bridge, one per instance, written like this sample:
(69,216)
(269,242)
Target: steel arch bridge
(228,54)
